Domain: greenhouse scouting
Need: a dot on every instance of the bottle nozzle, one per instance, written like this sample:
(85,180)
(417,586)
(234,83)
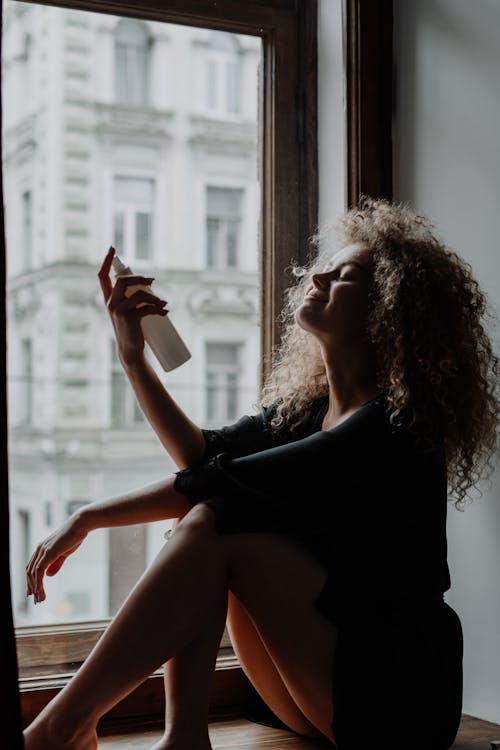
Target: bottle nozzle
(118,266)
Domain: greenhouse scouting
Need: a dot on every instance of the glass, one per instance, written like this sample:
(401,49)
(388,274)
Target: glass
(112,148)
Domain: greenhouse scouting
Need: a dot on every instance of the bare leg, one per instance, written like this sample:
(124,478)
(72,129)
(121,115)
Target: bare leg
(269,564)
(277,583)
(258,665)
(180,595)
(187,677)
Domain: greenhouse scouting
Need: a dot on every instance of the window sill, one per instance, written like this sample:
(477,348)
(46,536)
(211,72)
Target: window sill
(144,706)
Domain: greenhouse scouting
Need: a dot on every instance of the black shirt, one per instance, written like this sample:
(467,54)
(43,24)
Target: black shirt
(362,497)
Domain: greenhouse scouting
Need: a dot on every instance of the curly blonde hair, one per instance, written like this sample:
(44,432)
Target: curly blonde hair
(433,355)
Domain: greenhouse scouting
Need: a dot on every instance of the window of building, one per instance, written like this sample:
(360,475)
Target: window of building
(223,226)
(133,203)
(26,403)
(24,539)
(125,411)
(27,228)
(132,64)
(223,74)
(222,382)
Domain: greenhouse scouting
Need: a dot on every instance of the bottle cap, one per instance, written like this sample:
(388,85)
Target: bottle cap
(118,266)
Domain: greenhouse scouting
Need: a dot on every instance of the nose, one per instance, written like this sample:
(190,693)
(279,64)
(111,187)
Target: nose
(319,280)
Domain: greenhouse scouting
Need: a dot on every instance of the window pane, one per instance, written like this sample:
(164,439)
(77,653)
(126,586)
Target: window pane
(133,200)
(222,373)
(174,192)
(211,396)
(223,212)
(118,410)
(232,396)
(211,84)
(27,377)
(224,203)
(143,236)
(121,73)
(119,230)
(132,45)
(212,241)
(27,209)
(233,85)
(232,243)
(222,354)
(223,73)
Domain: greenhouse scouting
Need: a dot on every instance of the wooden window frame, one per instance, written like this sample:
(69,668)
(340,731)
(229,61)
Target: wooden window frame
(289,211)
(368,93)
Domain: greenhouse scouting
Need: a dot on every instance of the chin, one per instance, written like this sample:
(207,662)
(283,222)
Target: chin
(302,320)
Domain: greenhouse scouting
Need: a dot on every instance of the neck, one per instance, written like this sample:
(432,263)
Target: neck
(351,382)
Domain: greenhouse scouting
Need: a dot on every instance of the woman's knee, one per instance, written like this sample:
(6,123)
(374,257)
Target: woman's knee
(200,519)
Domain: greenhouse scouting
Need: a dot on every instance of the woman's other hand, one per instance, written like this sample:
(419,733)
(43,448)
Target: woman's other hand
(126,307)
(50,554)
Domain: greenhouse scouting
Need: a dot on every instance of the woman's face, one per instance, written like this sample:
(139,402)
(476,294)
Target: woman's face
(335,304)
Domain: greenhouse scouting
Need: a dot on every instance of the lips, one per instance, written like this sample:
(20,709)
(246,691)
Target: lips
(314,294)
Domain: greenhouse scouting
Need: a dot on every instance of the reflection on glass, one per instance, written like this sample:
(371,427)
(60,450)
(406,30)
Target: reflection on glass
(104,144)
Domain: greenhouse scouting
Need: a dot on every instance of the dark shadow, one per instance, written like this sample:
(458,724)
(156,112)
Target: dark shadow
(11,723)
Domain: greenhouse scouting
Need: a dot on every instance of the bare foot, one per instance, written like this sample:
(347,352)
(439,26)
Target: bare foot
(43,735)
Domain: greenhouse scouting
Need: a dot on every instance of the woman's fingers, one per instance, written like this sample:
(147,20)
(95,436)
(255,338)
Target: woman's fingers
(55,566)
(103,274)
(34,574)
(48,557)
(150,310)
(141,295)
(122,283)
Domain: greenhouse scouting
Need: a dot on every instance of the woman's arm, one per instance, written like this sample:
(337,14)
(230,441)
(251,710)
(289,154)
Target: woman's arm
(182,438)
(305,484)
(154,502)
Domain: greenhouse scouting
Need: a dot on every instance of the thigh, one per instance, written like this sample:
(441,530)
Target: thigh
(260,669)
(278,580)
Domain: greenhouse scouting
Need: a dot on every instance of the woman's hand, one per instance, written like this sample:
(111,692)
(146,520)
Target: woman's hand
(50,554)
(126,312)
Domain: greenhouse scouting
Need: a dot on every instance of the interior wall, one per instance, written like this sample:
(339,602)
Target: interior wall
(447,165)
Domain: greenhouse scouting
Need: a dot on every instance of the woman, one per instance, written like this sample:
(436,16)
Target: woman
(318,525)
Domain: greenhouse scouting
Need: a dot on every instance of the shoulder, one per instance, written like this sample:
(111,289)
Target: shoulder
(295,428)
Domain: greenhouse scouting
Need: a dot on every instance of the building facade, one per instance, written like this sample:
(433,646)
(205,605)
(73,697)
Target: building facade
(143,135)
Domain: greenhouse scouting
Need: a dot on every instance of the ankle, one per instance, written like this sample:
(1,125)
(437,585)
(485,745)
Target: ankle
(186,738)
(51,731)
(183,730)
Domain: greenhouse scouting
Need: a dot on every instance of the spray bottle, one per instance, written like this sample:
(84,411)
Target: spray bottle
(159,332)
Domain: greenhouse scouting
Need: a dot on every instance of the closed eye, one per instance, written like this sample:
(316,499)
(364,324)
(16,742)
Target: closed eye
(345,276)
(346,273)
